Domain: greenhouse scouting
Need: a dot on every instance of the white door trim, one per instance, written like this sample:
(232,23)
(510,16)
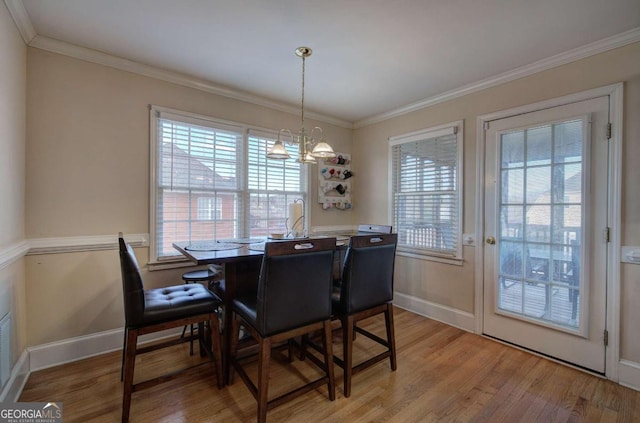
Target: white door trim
(615,91)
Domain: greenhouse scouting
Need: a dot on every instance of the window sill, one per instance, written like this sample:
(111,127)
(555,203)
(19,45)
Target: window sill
(456,261)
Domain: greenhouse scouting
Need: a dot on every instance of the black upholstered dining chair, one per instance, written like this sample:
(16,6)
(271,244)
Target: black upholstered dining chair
(153,310)
(293,298)
(366,289)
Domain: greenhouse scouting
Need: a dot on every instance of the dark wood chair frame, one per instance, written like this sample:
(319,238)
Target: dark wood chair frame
(282,340)
(208,347)
(349,327)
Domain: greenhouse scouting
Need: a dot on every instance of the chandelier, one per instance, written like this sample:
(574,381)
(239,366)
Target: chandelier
(310,147)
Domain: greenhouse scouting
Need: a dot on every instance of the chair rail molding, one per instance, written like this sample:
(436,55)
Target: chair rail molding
(83,243)
(13,252)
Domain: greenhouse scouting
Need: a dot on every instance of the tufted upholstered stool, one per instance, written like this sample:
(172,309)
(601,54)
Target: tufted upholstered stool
(211,275)
(152,310)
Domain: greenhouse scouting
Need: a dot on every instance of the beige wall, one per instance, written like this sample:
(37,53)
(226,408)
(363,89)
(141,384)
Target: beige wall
(13,68)
(453,286)
(88,144)
(88,174)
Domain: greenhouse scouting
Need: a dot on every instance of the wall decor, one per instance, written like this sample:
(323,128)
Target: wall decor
(334,182)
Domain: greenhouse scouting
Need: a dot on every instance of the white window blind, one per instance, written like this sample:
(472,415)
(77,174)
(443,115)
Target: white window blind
(211,180)
(426,190)
(272,184)
(196,160)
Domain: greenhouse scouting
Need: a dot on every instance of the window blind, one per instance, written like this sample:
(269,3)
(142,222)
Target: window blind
(271,184)
(426,191)
(198,164)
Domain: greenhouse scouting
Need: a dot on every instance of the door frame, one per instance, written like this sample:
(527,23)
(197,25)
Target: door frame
(615,93)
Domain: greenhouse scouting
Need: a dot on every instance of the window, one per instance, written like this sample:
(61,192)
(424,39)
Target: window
(426,191)
(271,185)
(209,208)
(211,180)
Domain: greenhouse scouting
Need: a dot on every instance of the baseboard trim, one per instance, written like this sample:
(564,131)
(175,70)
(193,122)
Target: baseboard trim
(15,384)
(73,349)
(451,316)
(629,374)
(81,347)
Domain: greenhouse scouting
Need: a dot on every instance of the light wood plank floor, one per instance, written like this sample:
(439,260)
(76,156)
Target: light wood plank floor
(444,374)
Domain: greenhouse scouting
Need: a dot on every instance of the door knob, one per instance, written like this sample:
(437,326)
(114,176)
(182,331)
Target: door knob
(491,240)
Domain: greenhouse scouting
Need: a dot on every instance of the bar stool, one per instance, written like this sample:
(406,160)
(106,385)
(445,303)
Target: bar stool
(210,275)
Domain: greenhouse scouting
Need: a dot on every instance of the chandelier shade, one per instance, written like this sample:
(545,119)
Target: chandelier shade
(278,151)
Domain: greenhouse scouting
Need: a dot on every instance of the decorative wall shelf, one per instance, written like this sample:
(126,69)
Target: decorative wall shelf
(334,182)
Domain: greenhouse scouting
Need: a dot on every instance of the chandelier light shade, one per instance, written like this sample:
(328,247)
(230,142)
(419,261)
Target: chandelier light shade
(311,147)
(278,151)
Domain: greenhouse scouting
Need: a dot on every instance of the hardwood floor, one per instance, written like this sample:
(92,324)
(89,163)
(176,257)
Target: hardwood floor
(444,374)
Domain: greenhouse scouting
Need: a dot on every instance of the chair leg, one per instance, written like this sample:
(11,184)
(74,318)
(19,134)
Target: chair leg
(215,343)
(290,349)
(129,367)
(263,378)
(203,341)
(233,347)
(327,340)
(304,340)
(391,338)
(124,352)
(347,356)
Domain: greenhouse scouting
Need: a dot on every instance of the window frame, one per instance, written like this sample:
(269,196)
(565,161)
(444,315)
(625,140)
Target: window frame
(426,134)
(158,112)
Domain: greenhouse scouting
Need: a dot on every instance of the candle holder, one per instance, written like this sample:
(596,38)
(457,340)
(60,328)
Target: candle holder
(296,219)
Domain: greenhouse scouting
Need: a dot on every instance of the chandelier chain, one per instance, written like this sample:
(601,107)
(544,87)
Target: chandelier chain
(302,118)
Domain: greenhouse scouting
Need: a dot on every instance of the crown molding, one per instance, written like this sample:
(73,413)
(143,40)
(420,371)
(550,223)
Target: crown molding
(31,38)
(21,18)
(94,56)
(582,52)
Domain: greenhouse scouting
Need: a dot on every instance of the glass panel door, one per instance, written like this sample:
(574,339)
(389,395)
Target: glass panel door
(540,225)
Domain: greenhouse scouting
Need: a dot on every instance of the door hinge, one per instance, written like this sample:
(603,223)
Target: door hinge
(609,130)
(485,126)
(606,337)
(607,234)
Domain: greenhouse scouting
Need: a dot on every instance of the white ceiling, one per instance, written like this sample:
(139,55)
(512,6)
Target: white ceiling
(370,57)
